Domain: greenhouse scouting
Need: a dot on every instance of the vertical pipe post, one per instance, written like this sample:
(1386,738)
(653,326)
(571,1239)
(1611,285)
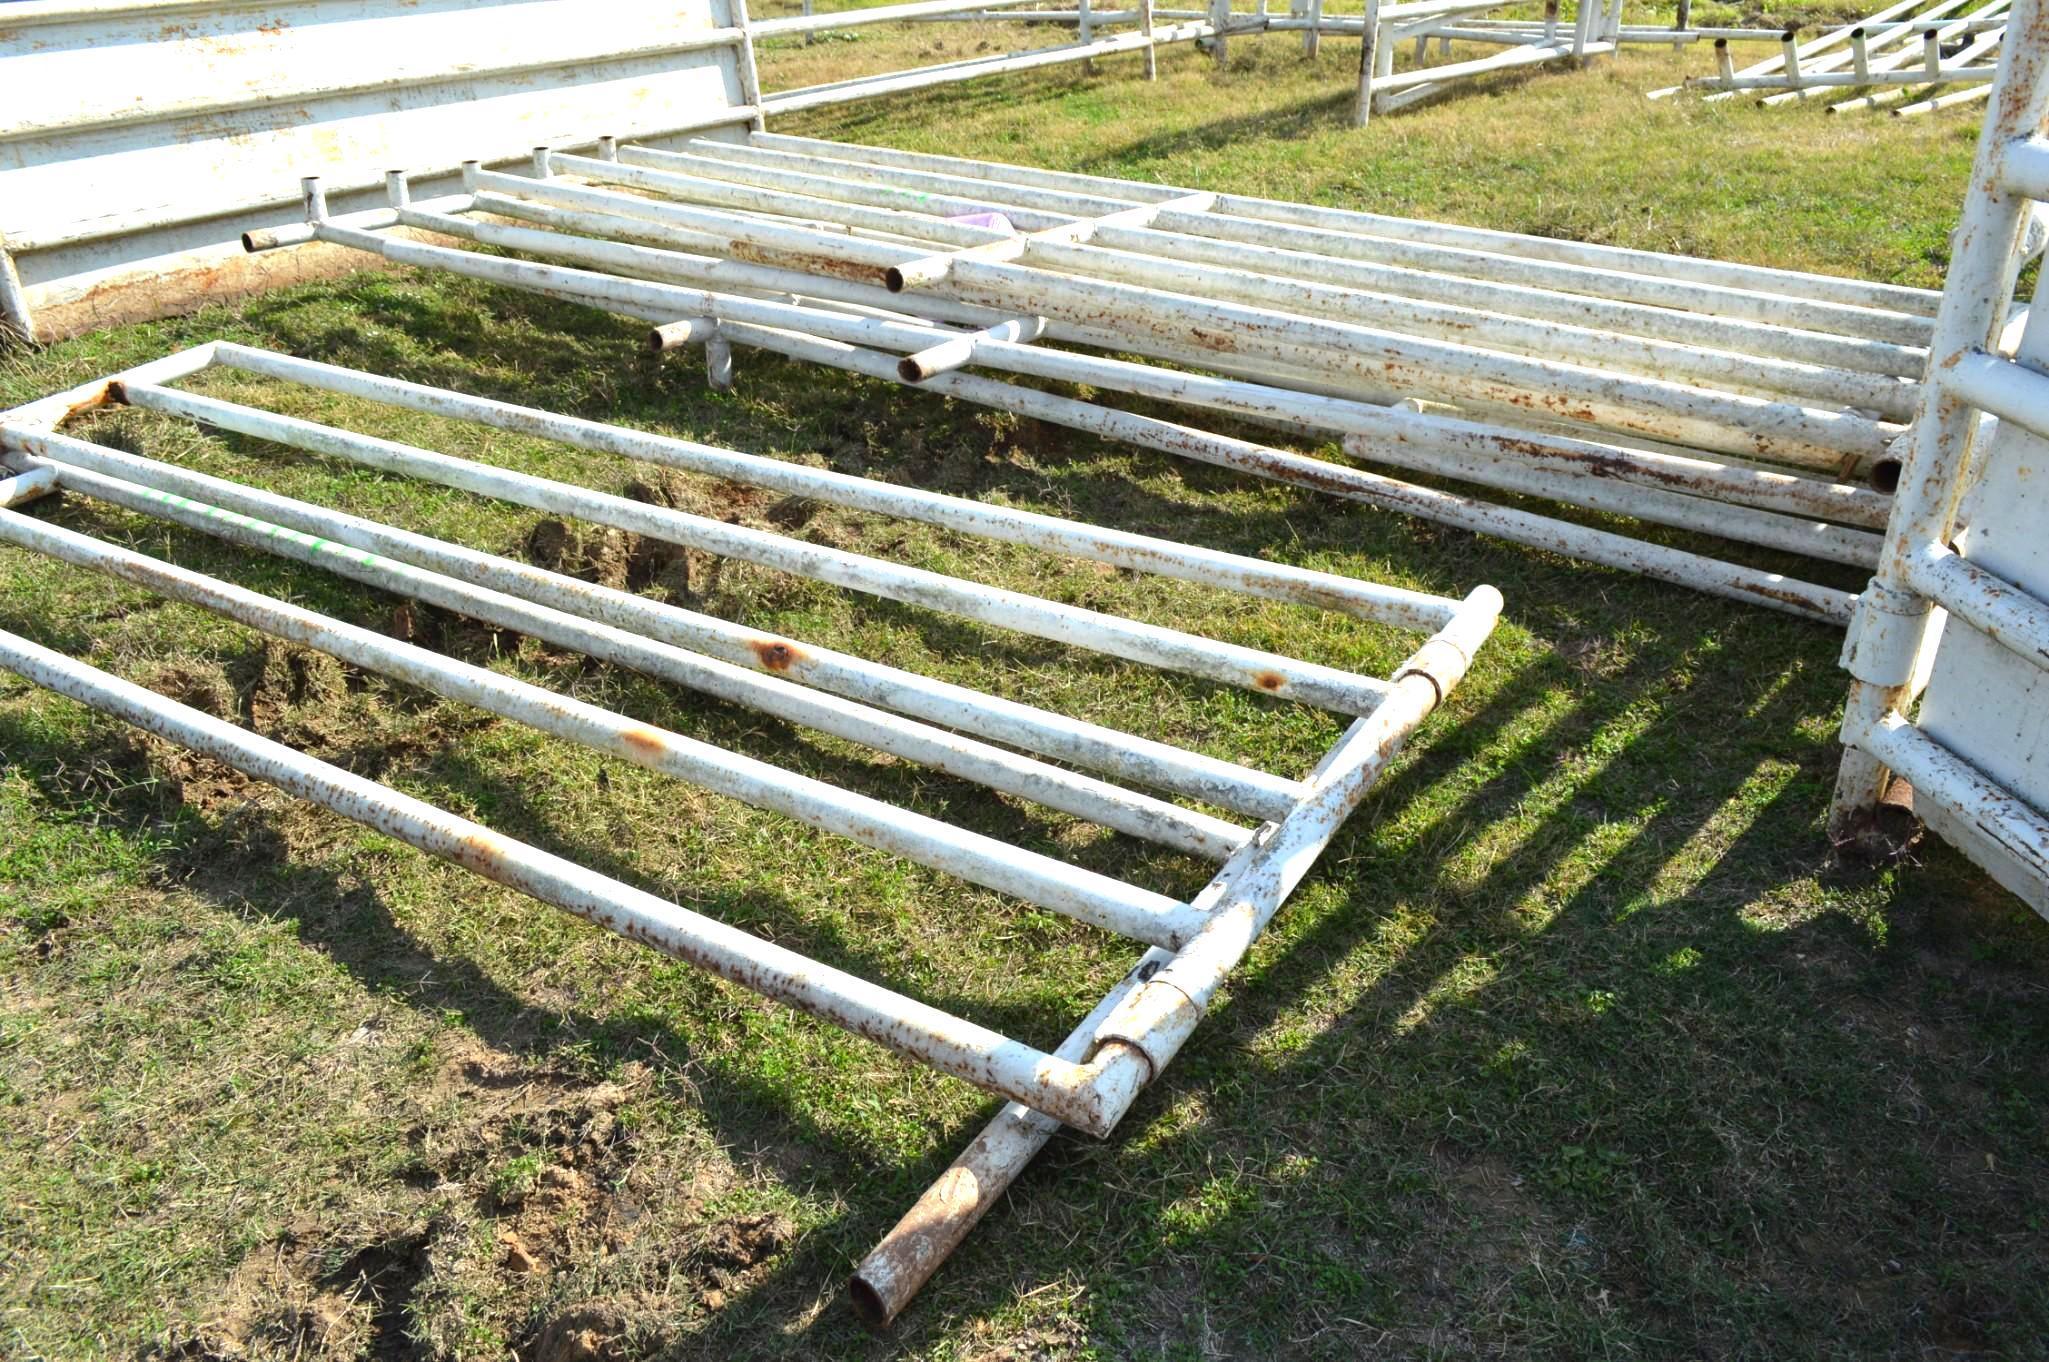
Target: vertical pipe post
(1790,44)
(1550,21)
(1220,19)
(1085,32)
(1725,64)
(1312,37)
(1369,60)
(1931,53)
(1681,22)
(1145,26)
(1860,56)
(1582,24)
(15,320)
(718,361)
(315,196)
(810,35)
(750,74)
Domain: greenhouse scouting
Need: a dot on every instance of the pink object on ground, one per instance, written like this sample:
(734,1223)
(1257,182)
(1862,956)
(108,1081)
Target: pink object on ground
(996,220)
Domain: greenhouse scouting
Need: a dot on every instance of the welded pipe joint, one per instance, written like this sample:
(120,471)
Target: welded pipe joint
(1884,638)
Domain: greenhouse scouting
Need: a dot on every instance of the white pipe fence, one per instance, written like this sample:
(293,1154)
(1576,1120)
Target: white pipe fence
(1087,1082)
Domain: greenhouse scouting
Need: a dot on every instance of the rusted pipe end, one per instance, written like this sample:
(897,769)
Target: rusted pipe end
(1856,33)
(1721,44)
(893,279)
(1884,476)
(117,393)
(1792,32)
(910,371)
(655,343)
(258,240)
(868,1304)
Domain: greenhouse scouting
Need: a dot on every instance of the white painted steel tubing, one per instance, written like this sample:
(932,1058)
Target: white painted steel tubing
(904,1025)
(1418,441)
(1725,370)
(1602,464)
(1230,664)
(1730,423)
(1425,450)
(1148,1028)
(1578,394)
(1834,38)
(1521,55)
(1973,95)
(1230,251)
(1131,1036)
(792,101)
(1055,885)
(1851,78)
(1941,777)
(1556,536)
(1871,311)
(879,14)
(1241,789)
(886,1280)
(1139,815)
(1983,45)
(1859,59)
(1575,471)
(1139,553)
(2003,612)
(1616,259)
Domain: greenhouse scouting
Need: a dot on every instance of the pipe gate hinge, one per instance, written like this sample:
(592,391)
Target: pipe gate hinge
(1884,637)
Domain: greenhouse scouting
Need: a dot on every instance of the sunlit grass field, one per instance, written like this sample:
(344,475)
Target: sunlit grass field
(1578,1042)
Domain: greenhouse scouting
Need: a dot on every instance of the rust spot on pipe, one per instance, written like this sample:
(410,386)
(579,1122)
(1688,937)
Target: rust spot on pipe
(1269,681)
(645,741)
(775,654)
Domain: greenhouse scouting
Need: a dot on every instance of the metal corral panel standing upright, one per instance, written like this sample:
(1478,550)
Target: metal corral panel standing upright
(139,141)
(1985,701)
(1961,600)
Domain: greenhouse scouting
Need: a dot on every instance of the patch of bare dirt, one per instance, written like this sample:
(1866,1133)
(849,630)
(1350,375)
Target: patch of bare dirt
(315,1297)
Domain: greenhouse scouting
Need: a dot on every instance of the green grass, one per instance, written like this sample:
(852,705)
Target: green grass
(1578,1042)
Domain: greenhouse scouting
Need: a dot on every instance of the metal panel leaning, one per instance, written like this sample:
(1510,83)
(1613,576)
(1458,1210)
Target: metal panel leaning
(1958,615)
(1263,830)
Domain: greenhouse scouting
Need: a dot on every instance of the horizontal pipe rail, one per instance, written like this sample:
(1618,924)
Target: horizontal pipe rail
(1241,789)
(1249,668)
(1084,895)
(1138,815)
(898,1023)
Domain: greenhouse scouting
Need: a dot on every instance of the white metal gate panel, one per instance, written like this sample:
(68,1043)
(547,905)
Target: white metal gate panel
(1960,604)
(133,133)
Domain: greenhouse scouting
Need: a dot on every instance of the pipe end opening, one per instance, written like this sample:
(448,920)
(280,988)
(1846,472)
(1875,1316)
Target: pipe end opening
(893,279)
(867,1303)
(1885,476)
